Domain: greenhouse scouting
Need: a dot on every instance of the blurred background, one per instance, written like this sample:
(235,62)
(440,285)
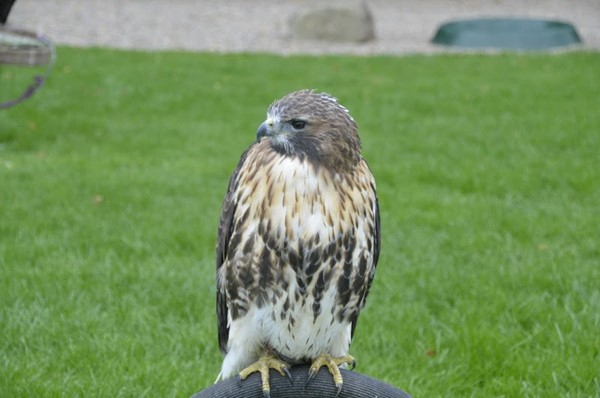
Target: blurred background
(401,26)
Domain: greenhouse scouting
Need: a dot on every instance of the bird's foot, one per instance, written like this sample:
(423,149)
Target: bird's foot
(333,365)
(262,366)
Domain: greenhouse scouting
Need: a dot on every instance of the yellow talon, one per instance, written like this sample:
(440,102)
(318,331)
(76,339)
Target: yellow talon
(262,366)
(333,364)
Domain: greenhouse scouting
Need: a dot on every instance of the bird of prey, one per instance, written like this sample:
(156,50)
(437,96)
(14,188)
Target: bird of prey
(298,242)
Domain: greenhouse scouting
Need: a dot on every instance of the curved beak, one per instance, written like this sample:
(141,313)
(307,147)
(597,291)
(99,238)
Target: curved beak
(263,130)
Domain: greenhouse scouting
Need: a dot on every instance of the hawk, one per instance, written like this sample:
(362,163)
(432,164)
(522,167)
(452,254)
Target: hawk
(298,242)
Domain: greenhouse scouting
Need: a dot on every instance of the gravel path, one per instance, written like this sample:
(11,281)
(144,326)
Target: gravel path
(402,26)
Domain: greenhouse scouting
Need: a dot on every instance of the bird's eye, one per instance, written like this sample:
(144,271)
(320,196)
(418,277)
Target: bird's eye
(298,124)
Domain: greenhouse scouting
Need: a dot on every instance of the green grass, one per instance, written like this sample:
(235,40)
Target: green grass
(488,172)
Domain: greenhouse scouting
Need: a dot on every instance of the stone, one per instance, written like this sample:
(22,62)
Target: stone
(344,21)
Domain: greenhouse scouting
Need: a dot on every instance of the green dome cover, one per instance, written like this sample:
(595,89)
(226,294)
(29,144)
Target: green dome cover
(507,33)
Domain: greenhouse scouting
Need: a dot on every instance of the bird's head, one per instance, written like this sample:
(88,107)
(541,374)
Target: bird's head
(314,126)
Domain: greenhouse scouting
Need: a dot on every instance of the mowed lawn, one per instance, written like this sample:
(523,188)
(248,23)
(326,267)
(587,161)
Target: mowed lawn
(488,173)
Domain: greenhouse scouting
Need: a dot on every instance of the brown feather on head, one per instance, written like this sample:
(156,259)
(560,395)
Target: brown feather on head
(315,126)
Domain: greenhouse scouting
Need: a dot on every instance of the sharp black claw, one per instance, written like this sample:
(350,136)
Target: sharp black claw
(311,375)
(289,376)
(352,365)
(239,381)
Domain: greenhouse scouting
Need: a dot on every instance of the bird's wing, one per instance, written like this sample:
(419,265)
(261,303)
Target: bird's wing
(375,257)
(226,224)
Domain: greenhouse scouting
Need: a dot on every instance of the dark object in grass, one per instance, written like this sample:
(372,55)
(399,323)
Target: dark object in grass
(356,385)
(24,48)
(507,34)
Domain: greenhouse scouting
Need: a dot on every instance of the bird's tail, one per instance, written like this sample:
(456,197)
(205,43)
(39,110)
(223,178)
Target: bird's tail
(219,378)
